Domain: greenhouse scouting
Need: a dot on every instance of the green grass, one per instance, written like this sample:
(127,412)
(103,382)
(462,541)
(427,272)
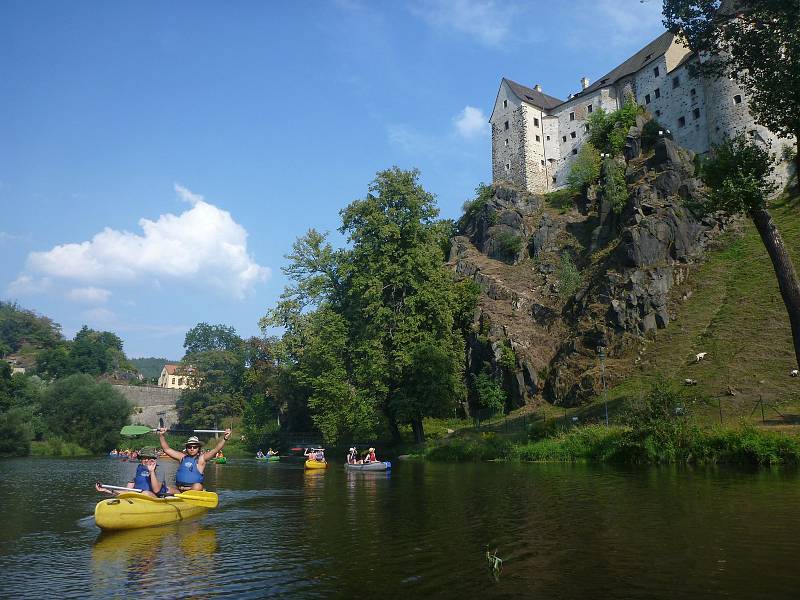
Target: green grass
(736,314)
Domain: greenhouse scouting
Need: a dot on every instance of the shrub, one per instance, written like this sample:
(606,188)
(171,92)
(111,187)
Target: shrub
(508,244)
(569,277)
(489,392)
(487,447)
(607,131)
(585,169)
(650,134)
(15,435)
(472,208)
(614,187)
(508,358)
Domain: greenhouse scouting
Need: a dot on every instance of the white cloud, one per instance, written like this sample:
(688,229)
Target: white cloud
(25,285)
(472,123)
(12,237)
(89,294)
(201,245)
(487,20)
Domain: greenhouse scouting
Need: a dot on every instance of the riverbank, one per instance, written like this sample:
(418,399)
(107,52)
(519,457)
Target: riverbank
(672,443)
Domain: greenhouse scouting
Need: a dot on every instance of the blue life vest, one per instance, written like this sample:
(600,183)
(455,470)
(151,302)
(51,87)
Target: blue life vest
(187,472)
(141,480)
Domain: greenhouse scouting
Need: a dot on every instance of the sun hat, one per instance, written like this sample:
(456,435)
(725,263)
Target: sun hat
(371,450)
(193,440)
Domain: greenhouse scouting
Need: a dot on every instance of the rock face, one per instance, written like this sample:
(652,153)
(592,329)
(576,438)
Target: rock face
(646,249)
(497,221)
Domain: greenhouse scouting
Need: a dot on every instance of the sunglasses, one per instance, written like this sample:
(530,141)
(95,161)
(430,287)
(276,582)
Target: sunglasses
(192,446)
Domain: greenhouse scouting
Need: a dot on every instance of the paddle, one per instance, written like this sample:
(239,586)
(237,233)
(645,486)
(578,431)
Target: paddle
(132,430)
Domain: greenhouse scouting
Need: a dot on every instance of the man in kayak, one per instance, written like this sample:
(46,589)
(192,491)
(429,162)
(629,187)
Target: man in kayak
(189,475)
(145,479)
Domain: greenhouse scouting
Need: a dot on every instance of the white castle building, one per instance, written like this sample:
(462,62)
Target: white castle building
(535,137)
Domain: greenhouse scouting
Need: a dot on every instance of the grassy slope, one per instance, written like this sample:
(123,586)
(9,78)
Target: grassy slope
(736,314)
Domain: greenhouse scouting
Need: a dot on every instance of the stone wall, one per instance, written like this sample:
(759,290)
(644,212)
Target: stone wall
(152,405)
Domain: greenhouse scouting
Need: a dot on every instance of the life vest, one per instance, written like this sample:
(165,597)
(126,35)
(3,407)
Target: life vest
(371,457)
(187,472)
(141,481)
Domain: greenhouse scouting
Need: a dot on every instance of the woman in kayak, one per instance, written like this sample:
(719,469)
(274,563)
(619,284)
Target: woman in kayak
(145,479)
(370,457)
(189,475)
(260,454)
(315,454)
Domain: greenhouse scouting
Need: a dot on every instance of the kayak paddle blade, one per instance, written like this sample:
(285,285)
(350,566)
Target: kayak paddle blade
(131,430)
(205,499)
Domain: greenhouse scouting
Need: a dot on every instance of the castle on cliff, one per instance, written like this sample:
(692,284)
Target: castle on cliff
(536,137)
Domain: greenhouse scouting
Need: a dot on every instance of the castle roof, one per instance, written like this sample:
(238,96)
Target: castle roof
(648,54)
(531,96)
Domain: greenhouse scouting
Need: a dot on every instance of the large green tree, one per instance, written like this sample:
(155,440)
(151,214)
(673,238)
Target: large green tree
(86,412)
(374,332)
(738,174)
(754,42)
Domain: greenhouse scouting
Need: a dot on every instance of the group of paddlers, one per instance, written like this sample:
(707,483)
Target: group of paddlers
(189,476)
(356,458)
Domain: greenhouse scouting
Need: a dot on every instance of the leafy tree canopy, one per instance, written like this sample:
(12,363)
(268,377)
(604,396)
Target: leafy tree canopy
(204,338)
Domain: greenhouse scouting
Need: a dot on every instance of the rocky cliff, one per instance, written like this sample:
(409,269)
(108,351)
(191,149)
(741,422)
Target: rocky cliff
(563,275)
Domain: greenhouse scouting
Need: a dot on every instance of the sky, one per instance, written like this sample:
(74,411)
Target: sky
(158,159)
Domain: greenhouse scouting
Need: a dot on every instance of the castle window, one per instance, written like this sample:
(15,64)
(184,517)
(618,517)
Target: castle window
(535,122)
(563,138)
(508,167)
(551,160)
(681,121)
(696,113)
(572,116)
(656,72)
(554,178)
(548,138)
(505,103)
(542,162)
(505,125)
(506,142)
(572,135)
(658,113)
(574,150)
(647,98)
(589,109)
(692,92)
(657,92)
(676,81)
(737,99)
(538,139)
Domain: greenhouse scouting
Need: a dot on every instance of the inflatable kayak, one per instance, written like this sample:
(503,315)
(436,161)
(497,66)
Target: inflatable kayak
(373,466)
(268,458)
(131,510)
(220,461)
(315,464)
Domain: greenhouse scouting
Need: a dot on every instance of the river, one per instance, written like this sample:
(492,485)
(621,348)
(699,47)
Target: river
(563,531)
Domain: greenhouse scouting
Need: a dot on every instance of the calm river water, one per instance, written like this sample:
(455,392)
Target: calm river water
(564,531)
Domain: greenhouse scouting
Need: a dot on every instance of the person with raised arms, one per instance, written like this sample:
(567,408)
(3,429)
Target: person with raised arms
(189,475)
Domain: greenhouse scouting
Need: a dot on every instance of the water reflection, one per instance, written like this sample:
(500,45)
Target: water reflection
(137,559)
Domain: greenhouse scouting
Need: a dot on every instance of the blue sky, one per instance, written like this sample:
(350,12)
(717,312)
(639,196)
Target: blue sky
(157,160)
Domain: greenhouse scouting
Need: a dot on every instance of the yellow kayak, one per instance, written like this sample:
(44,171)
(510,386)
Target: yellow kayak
(131,510)
(315,464)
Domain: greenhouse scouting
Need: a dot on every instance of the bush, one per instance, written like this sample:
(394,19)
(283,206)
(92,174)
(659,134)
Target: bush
(85,412)
(508,244)
(614,188)
(585,169)
(489,392)
(508,358)
(15,435)
(487,447)
(650,134)
(607,131)
(472,208)
(569,277)
(56,446)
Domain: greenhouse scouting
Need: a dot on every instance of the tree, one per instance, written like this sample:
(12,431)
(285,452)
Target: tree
(95,352)
(204,338)
(608,131)
(755,43)
(86,412)
(738,174)
(585,170)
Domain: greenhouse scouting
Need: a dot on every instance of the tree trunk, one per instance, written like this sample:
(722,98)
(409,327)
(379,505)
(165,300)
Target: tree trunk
(784,271)
(419,430)
(393,428)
